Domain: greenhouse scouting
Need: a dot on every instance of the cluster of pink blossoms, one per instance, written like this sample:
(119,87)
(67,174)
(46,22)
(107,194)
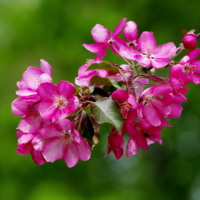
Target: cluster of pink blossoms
(62,121)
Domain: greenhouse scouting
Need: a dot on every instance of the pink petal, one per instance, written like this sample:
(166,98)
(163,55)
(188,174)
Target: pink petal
(96,48)
(194,78)
(120,95)
(143,60)
(176,110)
(127,53)
(45,78)
(19,107)
(100,34)
(159,62)
(161,106)
(132,147)
(66,125)
(45,67)
(53,130)
(24,149)
(151,115)
(165,51)
(193,55)
(38,142)
(197,66)
(71,155)
(47,91)
(47,109)
(32,77)
(65,88)
(147,42)
(25,138)
(37,157)
(53,150)
(84,150)
(119,28)
(142,140)
(26,93)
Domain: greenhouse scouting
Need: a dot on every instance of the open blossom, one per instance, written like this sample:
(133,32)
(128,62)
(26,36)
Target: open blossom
(105,39)
(57,101)
(64,142)
(188,70)
(32,78)
(150,54)
(29,143)
(152,107)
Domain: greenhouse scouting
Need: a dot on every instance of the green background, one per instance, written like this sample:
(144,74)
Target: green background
(55,31)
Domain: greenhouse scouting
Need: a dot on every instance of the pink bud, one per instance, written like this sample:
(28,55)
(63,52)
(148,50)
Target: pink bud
(189,41)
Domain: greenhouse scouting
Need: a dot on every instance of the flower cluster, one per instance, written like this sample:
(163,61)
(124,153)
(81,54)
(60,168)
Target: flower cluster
(62,121)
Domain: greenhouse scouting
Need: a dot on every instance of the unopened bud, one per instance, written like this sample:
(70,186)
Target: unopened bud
(189,41)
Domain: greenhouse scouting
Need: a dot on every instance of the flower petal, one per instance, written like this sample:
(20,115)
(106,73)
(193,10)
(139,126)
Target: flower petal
(53,150)
(71,155)
(84,150)
(100,34)
(65,88)
(96,48)
(47,91)
(165,51)
(45,67)
(132,147)
(47,109)
(119,28)
(147,42)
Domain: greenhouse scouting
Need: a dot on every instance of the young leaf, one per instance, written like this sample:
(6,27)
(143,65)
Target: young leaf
(88,131)
(104,65)
(106,110)
(135,88)
(80,121)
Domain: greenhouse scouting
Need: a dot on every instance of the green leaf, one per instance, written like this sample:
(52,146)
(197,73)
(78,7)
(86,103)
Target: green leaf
(106,110)
(104,65)
(98,80)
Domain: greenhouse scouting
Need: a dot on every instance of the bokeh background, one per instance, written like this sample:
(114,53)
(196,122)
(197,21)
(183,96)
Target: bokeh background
(55,31)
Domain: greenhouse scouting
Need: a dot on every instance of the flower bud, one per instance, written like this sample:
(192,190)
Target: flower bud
(189,41)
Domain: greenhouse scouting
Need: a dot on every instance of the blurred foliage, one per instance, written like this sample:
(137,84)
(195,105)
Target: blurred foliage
(55,31)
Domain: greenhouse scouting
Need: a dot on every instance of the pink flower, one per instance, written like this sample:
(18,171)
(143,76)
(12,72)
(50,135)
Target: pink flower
(57,101)
(64,142)
(188,69)
(105,39)
(29,143)
(32,122)
(32,78)
(152,107)
(115,144)
(127,101)
(150,55)
(147,134)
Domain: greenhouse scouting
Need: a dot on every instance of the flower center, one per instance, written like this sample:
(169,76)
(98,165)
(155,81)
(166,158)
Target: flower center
(37,82)
(61,102)
(66,137)
(189,68)
(111,42)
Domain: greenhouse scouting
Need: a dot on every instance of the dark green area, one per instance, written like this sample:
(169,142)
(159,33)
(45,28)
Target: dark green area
(55,31)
